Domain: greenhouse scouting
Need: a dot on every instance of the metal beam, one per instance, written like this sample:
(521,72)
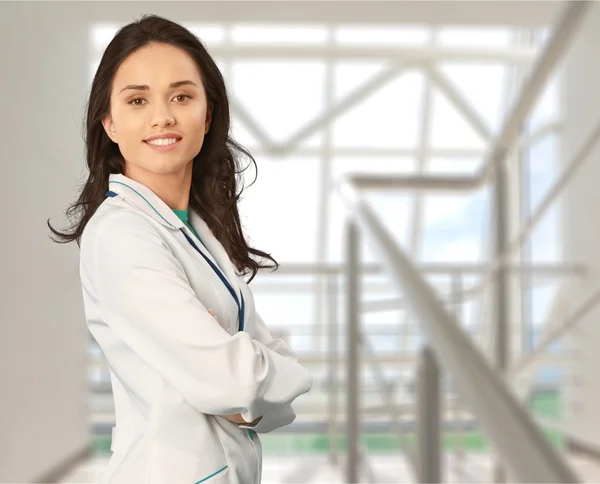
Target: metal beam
(556,46)
(565,177)
(415,183)
(500,298)
(467,268)
(404,360)
(416,235)
(463,105)
(386,392)
(335,110)
(353,354)
(269,148)
(382,52)
(429,419)
(552,127)
(333,369)
(324,212)
(565,30)
(251,124)
(555,333)
(396,154)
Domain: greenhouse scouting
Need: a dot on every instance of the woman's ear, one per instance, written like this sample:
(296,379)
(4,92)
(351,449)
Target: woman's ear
(109,128)
(208,119)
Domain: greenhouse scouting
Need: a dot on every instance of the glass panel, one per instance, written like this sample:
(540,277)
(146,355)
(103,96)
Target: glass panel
(543,168)
(449,129)
(483,86)
(453,227)
(281,208)
(383,35)
(547,108)
(279,34)
(208,33)
(473,37)
(392,207)
(350,75)
(389,118)
(281,96)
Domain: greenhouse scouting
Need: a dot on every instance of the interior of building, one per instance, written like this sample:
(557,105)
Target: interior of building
(426,181)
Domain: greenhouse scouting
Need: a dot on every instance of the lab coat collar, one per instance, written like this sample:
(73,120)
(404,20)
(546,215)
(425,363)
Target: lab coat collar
(150,203)
(145,199)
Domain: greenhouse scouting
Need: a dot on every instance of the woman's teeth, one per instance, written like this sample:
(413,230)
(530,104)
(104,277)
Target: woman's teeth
(163,142)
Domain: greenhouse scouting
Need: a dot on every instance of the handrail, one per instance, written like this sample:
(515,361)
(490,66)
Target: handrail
(515,436)
(454,184)
(546,269)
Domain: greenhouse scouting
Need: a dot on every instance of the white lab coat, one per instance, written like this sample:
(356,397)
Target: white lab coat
(174,368)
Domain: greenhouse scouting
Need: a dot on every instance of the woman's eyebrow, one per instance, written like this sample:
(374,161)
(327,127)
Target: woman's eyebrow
(144,87)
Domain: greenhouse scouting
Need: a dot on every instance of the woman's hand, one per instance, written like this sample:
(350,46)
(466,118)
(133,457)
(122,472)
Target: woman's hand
(238,420)
(210,311)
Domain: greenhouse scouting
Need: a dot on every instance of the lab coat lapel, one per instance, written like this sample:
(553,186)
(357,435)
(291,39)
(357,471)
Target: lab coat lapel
(146,200)
(216,249)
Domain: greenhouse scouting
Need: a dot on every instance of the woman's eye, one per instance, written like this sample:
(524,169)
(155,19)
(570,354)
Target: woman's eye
(179,98)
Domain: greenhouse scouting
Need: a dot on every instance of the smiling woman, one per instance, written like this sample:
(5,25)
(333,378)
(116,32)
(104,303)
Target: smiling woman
(157,81)
(195,373)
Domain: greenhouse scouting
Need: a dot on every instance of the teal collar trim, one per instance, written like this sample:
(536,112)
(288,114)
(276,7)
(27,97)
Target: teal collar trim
(212,475)
(145,199)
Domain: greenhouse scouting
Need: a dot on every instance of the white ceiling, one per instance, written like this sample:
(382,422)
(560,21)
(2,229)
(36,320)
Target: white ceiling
(476,12)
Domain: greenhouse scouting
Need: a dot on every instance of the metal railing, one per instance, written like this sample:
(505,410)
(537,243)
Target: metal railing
(515,436)
(513,433)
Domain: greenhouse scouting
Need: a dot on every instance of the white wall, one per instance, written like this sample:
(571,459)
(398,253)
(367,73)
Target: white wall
(581,105)
(43,394)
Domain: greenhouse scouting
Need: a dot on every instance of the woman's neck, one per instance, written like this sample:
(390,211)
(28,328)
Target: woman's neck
(171,188)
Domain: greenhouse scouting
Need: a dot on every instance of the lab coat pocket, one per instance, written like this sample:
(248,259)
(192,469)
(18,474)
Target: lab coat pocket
(171,465)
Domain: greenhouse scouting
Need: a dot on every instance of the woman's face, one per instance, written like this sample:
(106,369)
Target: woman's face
(157,90)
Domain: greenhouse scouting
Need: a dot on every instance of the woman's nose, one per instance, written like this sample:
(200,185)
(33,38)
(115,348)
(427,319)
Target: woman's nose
(162,117)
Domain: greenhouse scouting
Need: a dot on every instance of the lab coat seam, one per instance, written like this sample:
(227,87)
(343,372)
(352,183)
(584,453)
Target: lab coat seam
(223,446)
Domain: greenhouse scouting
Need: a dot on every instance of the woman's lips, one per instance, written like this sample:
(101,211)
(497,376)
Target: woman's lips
(164,148)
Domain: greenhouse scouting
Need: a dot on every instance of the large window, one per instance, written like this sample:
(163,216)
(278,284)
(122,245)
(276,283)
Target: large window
(310,120)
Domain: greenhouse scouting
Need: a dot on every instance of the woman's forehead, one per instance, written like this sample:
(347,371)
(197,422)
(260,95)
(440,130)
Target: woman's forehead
(157,66)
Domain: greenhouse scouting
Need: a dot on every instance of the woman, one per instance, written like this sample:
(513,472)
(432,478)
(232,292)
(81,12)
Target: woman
(194,371)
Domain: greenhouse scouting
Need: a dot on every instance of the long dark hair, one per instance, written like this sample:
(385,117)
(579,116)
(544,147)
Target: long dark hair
(216,169)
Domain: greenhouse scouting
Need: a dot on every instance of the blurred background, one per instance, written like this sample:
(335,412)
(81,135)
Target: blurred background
(427,179)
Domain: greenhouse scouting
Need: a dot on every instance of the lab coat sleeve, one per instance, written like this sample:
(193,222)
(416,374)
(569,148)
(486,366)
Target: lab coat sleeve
(150,305)
(281,415)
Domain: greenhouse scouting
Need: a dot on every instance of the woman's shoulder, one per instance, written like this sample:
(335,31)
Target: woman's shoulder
(117,222)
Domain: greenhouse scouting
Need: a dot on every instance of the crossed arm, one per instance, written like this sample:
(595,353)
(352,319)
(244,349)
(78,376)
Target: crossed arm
(151,307)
